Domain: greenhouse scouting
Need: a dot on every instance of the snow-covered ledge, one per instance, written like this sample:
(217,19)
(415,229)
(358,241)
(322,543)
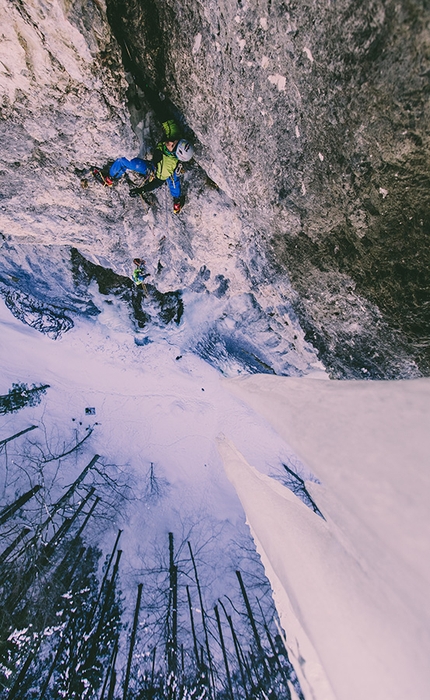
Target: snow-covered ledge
(352,591)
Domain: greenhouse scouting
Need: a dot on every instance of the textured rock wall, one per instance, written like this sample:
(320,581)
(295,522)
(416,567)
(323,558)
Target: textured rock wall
(315,116)
(311,135)
(66,103)
(63,106)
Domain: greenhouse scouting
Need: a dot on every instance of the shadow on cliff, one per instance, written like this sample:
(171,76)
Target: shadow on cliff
(160,308)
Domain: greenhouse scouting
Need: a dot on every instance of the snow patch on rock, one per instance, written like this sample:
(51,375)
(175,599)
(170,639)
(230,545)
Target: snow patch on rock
(278,80)
(197,44)
(308,54)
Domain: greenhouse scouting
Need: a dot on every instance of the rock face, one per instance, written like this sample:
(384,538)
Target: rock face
(310,189)
(314,116)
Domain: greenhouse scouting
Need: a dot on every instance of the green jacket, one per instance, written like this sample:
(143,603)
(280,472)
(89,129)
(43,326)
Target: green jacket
(166,165)
(165,162)
(139,275)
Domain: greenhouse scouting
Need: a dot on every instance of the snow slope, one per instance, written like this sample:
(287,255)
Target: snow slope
(149,407)
(354,588)
(351,590)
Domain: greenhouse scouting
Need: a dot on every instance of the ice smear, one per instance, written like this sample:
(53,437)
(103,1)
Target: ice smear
(357,584)
(266,503)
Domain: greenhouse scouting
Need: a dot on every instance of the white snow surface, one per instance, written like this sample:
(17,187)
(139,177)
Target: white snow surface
(150,407)
(352,590)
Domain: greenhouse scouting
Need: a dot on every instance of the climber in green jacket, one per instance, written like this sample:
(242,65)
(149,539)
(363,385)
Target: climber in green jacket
(139,273)
(163,166)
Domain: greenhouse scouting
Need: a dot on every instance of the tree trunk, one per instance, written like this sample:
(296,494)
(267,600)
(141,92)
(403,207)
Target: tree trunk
(237,650)
(7,512)
(66,525)
(282,669)
(103,583)
(110,668)
(304,489)
(132,640)
(87,652)
(250,613)
(17,435)
(193,629)
(261,654)
(172,641)
(17,690)
(75,485)
(224,653)
(4,555)
(43,559)
(153,666)
(63,500)
(112,684)
(212,680)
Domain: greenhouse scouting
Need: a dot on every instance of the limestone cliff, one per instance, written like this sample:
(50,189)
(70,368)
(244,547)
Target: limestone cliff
(309,191)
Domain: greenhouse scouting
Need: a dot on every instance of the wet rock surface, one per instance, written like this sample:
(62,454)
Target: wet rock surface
(309,192)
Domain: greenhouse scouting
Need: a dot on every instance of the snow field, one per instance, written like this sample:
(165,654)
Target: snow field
(355,586)
(150,407)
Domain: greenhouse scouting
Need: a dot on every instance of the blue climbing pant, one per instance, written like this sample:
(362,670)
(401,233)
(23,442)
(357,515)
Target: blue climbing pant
(119,167)
(174,185)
